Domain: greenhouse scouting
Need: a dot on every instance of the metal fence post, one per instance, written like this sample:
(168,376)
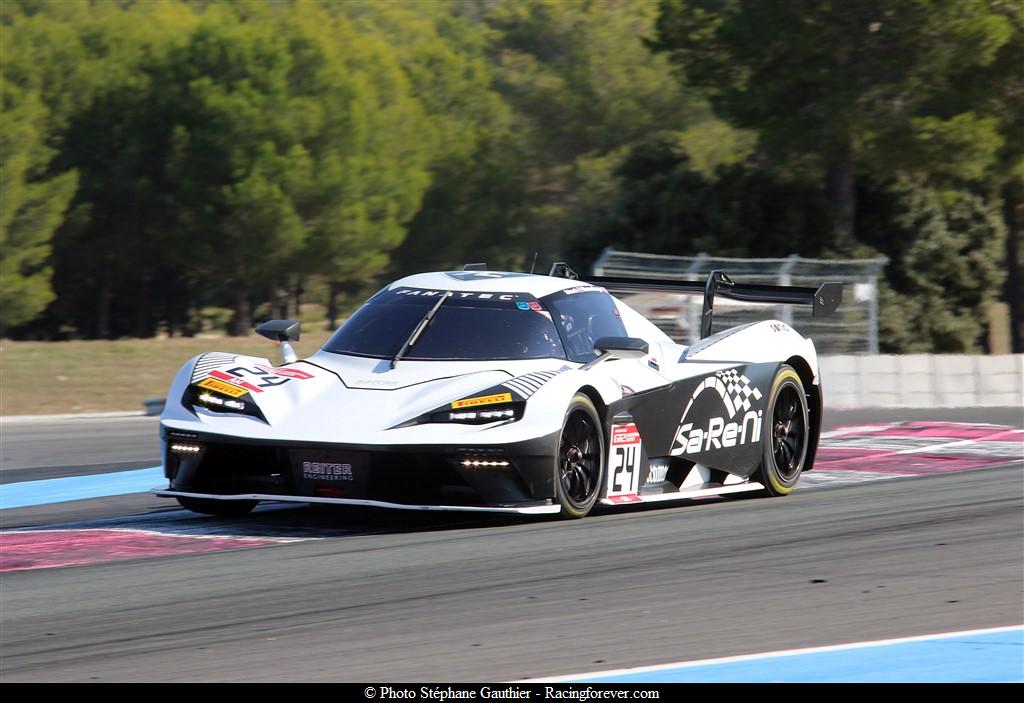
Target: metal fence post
(873,304)
(786,279)
(692,308)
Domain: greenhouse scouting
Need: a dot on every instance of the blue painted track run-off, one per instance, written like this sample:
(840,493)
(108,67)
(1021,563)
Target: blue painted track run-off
(967,657)
(59,490)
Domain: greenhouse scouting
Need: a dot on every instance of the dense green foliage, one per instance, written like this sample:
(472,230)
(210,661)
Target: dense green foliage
(920,95)
(32,205)
(161,158)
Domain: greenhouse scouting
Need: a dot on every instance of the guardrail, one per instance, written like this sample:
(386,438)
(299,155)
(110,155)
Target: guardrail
(923,381)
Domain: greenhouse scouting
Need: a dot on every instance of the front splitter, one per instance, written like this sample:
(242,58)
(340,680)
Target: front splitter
(538,509)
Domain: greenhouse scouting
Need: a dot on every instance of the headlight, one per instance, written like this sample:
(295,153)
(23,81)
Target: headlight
(209,399)
(454,413)
(494,405)
(509,412)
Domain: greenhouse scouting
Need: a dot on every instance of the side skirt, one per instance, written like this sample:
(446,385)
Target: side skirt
(701,492)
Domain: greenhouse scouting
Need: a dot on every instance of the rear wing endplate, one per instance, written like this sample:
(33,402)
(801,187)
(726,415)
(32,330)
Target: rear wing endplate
(824,300)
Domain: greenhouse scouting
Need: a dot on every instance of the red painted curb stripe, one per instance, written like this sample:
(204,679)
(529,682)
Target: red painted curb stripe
(932,448)
(868,461)
(22,551)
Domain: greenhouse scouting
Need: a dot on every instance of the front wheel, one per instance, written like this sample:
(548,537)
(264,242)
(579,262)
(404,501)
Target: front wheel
(220,508)
(580,460)
(785,434)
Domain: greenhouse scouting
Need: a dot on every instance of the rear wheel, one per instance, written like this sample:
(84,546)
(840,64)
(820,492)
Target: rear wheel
(580,459)
(785,433)
(220,508)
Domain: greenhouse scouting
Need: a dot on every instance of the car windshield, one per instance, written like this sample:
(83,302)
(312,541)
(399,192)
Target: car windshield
(469,326)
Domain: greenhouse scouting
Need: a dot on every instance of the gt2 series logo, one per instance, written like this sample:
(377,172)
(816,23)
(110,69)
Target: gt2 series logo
(729,431)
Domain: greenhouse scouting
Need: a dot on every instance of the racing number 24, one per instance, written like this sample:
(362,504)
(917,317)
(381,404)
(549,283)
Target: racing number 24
(626,469)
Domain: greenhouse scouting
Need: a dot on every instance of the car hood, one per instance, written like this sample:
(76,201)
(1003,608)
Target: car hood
(346,398)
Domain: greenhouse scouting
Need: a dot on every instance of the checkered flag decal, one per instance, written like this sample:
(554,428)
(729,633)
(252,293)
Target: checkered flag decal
(738,391)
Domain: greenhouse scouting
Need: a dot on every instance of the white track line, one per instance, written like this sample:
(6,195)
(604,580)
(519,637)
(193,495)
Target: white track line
(20,419)
(947,445)
(768,655)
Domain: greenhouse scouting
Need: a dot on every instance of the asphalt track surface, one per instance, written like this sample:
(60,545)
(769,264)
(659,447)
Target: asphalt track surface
(378,596)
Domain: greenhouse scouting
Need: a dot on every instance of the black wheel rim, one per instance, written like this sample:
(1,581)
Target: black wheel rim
(578,458)
(788,433)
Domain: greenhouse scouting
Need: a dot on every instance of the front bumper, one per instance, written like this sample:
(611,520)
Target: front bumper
(501,478)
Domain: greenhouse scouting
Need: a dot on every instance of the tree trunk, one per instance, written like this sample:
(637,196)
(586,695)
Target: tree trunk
(141,317)
(143,311)
(242,322)
(103,307)
(841,189)
(295,299)
(279,302)
(1013,215)
(332,306)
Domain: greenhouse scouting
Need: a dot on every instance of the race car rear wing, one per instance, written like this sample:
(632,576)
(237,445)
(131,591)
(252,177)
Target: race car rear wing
(823,300)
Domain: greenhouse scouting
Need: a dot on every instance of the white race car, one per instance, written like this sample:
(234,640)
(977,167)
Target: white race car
(502,392)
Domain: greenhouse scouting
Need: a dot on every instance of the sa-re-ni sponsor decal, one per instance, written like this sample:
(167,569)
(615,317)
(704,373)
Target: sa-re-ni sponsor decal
(483,400)
(718,434)
(729,430)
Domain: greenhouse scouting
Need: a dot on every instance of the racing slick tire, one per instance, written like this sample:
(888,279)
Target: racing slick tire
(579,465)
(220,508)
(785,434)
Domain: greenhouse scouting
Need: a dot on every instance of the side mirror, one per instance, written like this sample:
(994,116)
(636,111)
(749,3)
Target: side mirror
(282,331)
(622,347)
(617,348)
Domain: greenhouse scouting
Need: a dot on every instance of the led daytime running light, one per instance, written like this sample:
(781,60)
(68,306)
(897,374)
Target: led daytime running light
(208,399)
(186,448)
(504,414)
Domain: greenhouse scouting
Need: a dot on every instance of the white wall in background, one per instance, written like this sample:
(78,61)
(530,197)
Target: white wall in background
(923,380)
